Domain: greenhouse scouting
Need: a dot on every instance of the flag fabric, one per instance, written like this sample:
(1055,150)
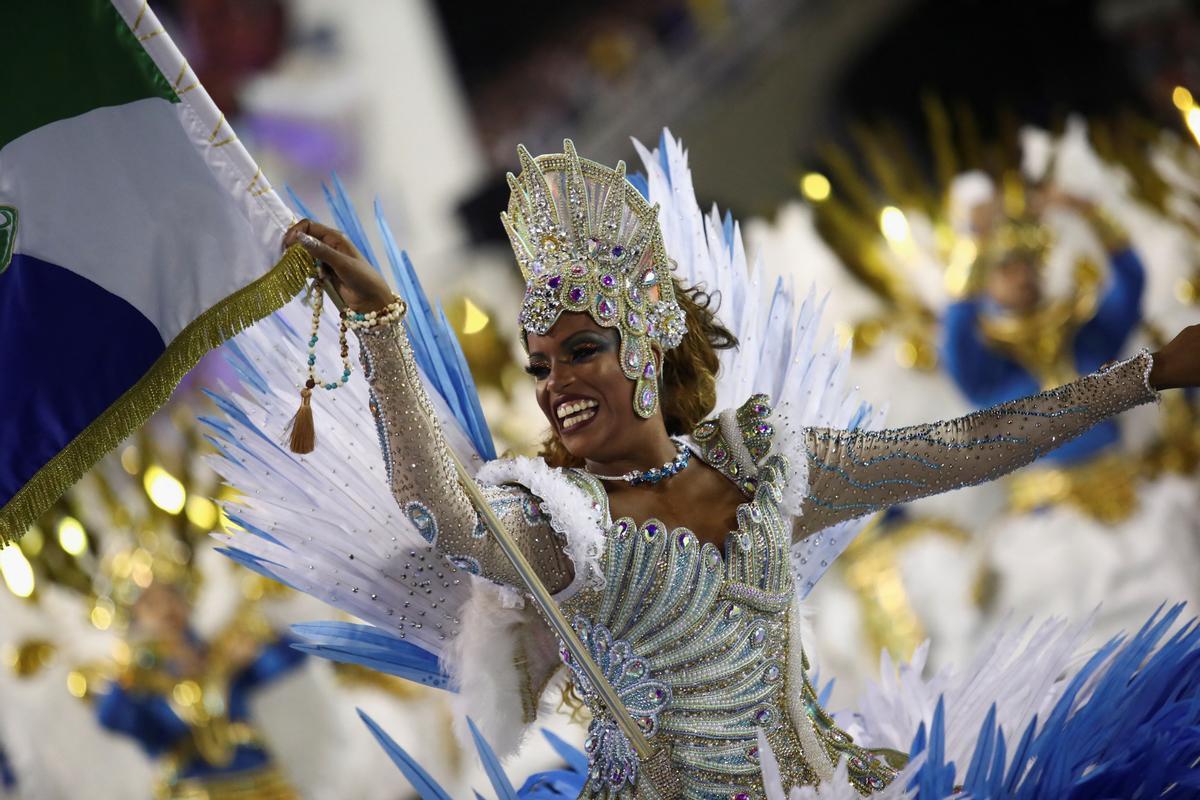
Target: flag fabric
(136,233)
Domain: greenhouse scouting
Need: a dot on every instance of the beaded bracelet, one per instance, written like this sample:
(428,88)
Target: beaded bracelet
(303,433)
(365,321)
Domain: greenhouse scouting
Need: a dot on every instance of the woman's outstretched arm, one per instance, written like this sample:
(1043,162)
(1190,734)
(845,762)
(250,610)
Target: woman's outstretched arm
(853,473)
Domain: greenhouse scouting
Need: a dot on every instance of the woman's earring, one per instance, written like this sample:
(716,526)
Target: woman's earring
(647,390)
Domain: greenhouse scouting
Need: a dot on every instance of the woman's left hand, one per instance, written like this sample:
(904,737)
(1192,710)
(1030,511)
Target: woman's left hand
(1177,364)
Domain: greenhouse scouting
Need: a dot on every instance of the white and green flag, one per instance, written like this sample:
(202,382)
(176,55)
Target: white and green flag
(136,233)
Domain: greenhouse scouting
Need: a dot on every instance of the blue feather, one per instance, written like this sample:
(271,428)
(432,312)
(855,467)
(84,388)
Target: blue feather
(491,765)
(426,786)
(368,646)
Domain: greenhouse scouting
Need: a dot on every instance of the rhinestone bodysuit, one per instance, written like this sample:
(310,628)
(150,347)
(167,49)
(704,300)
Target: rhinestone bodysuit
(697,641)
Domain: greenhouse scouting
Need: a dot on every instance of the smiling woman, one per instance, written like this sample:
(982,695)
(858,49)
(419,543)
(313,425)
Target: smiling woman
(664,531)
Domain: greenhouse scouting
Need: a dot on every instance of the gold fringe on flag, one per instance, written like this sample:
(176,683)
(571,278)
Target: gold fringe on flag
(223,321)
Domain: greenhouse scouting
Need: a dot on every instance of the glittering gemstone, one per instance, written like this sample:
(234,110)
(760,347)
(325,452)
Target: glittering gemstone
(605,308)
(636,668)
(649,278)
(771,674)
(649,371)
(733,612)
(607,280)
(751,754)
(634,359)
(634,318)
(578,269)
(593,246)
(536,267)
(651,530)
(554,282)
(741,796)
(763,716)
(622,529)
(576,294)
(759,408)
(618,251)
(763,428)
(759,635)
(647,398)
(683,540)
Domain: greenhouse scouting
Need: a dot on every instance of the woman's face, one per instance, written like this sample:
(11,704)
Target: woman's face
(582,390)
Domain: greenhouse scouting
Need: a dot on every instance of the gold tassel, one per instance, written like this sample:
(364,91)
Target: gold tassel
(304,434)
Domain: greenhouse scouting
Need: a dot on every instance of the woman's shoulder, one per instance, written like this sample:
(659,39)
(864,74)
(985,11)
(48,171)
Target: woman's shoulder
(736,440)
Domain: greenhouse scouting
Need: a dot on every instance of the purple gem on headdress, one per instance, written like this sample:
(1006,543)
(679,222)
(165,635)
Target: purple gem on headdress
(634,318)
(607,280)
(554,282)
(741,796)
(763,716)
(633,359)
(651,530)
(647,398)
(649,370)
(605,307)
(537,267)
(760,408)
(763,428)
(576,294)
(618,251)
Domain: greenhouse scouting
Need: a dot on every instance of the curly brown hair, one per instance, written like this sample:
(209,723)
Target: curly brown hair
(688,378)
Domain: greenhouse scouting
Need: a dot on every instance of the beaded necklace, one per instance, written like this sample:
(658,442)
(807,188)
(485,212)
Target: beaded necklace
(683,457)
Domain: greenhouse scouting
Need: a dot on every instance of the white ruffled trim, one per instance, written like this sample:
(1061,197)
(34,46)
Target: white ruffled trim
(788,441)
(482,664)
(577,517)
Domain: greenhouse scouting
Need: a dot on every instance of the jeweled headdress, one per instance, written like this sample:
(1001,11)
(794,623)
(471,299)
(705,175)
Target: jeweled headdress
(586,240)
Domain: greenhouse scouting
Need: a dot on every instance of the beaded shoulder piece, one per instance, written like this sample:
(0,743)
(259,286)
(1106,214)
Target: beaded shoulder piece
(737,440)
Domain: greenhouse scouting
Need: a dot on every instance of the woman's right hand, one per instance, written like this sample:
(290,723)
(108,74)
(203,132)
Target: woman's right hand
(360,285)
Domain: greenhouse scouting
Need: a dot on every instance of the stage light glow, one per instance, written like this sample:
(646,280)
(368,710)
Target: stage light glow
(164,489)
(71,536)
(1182,99)
(101,618)
(894,225)
(76,684)
(1193,122)
(201,512)
(815,187)
(17,572)
(474,319)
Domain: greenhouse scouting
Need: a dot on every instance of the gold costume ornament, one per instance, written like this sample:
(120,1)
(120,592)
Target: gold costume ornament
(587,241)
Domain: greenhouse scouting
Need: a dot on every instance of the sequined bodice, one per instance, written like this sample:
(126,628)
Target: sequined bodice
(696,642)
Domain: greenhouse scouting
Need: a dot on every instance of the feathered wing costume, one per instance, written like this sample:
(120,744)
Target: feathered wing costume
(700,643)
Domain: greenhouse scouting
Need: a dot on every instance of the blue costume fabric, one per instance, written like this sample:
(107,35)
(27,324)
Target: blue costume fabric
(149,719)
(987,377)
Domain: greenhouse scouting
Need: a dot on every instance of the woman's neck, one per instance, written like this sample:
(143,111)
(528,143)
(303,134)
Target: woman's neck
(650,451)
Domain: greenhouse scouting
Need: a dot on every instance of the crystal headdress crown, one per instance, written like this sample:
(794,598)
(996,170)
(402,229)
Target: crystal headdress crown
(586,240)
